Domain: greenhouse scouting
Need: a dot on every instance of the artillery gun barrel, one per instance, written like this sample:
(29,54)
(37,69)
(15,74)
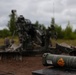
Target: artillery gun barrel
(62,61)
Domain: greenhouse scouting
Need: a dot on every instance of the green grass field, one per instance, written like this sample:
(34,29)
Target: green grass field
(69,42)
(2,41)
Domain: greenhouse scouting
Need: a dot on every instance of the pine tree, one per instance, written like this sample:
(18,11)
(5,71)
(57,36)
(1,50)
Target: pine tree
(68,31)
(52,22)
(11,23)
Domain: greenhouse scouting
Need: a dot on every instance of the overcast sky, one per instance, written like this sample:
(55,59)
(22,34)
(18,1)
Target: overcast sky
(40,10)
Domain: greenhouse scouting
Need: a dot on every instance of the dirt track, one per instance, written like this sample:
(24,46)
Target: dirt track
(24,67)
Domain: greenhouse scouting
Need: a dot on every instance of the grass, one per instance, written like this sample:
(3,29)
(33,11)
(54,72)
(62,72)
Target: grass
(2,41)
(69,42)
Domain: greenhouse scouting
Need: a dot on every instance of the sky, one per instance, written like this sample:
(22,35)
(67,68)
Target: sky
(40,10)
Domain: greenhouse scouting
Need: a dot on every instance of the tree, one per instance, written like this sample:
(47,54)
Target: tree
(11,23)
(37,24)
(68,31)
(40,26)
(52,27)
(4,33)
(75,31)
(53,21)
(59,31)
(43,27)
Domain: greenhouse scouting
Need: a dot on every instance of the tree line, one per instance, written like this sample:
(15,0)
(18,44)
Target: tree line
(67,33)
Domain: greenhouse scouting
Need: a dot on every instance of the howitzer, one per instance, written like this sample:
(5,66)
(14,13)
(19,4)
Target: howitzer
(62,61)
(28,34)
(31,37)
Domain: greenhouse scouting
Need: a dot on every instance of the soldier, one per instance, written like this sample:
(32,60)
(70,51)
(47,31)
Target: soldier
(43,39)
(49,34)
(7,42)
(12,42)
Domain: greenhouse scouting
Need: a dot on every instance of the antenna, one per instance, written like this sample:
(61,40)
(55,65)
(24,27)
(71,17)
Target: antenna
(53,18)
(53,10)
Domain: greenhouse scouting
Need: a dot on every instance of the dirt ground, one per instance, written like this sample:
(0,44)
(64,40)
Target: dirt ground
(24,67)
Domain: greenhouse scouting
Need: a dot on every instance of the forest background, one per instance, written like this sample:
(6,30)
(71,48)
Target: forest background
(67,33)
